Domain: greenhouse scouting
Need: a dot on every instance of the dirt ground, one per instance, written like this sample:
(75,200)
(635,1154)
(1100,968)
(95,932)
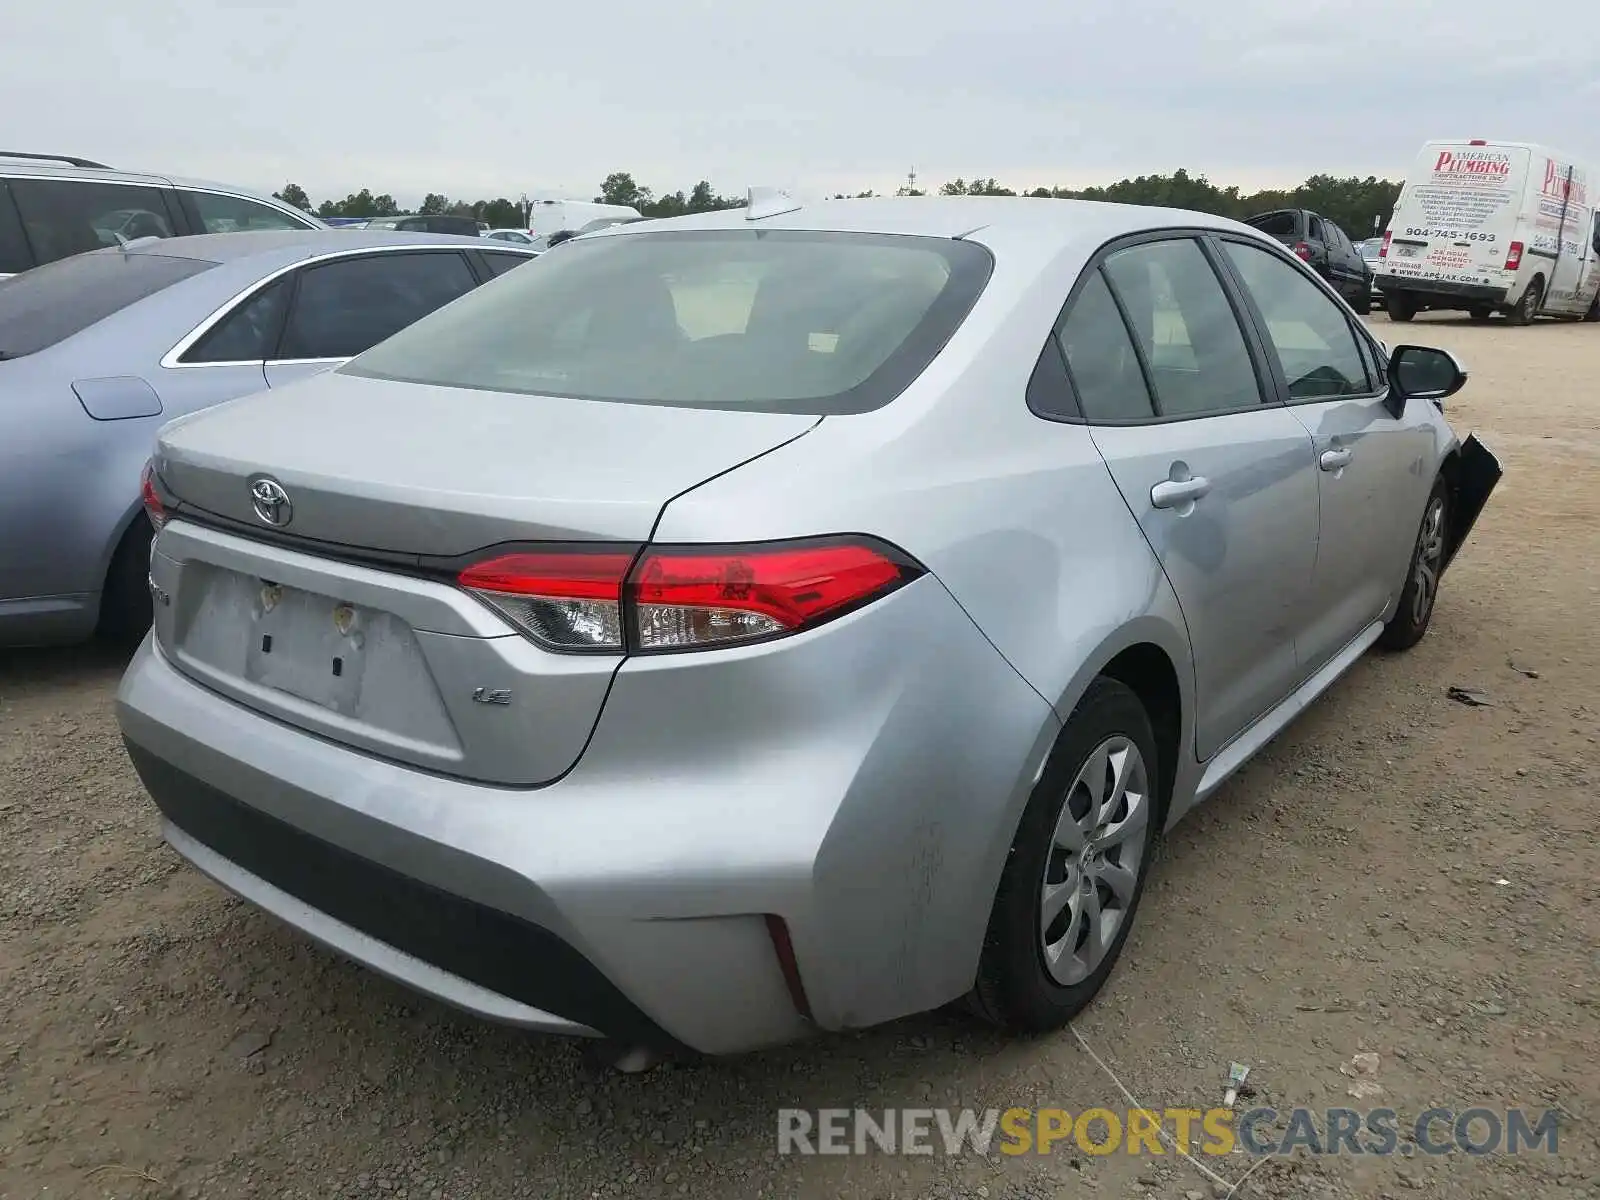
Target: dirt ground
(1398,874)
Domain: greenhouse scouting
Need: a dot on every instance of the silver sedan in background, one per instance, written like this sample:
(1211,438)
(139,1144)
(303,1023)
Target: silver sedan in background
(783,619)
(99,349)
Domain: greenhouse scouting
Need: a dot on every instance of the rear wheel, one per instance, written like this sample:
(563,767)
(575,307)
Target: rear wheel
(1077,867)
(1362,300)
(1481,312)
(1594,310)
(1417,598)
(125,608)
(1399,308)
(1528,306)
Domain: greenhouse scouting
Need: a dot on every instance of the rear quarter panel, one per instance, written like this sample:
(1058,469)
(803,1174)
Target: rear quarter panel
(77,479)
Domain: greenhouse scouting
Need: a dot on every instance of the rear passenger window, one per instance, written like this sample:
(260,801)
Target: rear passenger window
(1186,328)
(64,217)
(350,305)
(249,333)
(1307,328)
(1105,369)
(501,263)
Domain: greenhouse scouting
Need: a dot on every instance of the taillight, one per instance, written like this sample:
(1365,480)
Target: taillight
(684,597)
(562,599)
(1514,256)
(1303,250)
(153,508)
(1383,250)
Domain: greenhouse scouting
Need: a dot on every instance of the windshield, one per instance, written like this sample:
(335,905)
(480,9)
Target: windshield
(762,320)
(51,303)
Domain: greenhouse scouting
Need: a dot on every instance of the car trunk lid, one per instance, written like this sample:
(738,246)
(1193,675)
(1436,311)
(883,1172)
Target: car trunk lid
(437,471)
(342,620)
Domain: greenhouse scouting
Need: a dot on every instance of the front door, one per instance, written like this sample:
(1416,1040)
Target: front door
(1371,466)
(1220,477)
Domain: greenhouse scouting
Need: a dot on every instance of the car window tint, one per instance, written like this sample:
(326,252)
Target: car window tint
(757,319)
(51,303)
(1276,224)
(1105,369)
(501,263)
(247,334)
(347,306)
(1186,328)
(64,217)
(230,214)
(1049,390)
(14,253)
(1307,328)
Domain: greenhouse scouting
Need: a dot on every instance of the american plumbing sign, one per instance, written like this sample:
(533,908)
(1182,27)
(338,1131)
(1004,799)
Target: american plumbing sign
(1490,164)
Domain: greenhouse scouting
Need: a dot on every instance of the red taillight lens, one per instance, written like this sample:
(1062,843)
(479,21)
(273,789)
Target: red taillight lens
(683,597)
(1303,250)
(153,508)
(1514,256)
(687,596)
(1383,250)
(562,599)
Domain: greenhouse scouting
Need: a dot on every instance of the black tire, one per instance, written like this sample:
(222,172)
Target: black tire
(1527,307)
(1481,313)
(1411,618)
(1594,311)
(1362,301)
(125,607)
(1015,990)
(1399,308)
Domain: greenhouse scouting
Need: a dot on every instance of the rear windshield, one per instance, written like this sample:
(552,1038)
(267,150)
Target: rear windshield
(761,320)
(51,303)
(1277,224)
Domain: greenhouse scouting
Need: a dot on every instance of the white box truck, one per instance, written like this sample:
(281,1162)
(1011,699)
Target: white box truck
(1483,227)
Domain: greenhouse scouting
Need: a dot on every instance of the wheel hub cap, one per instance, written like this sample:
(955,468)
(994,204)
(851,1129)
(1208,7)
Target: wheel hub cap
(1096,857)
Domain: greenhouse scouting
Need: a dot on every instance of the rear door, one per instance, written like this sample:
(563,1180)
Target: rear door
(1371,497)
(1220,477)
(1457,215)
(344,306)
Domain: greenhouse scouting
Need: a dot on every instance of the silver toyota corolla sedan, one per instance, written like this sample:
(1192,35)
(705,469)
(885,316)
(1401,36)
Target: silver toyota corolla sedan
(782,619)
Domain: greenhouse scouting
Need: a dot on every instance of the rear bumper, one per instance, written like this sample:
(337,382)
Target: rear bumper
(1440,293)
(862,784)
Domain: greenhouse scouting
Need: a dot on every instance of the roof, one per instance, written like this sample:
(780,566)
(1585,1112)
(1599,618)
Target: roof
(290,244)
(1057,221)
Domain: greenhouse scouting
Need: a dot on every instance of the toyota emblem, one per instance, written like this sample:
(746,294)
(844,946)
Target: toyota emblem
(271,502)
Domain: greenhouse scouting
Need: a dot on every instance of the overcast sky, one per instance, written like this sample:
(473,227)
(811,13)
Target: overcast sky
(500,97)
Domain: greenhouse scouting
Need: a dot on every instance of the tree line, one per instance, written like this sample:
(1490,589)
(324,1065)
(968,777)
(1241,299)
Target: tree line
(1358,206)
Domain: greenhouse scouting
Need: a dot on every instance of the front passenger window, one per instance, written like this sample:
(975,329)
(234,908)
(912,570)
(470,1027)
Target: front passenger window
(1307,328)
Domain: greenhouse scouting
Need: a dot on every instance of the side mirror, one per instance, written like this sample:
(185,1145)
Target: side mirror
(1424,373)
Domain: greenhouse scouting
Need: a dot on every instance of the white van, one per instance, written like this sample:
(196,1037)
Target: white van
(1485,227)
(552,216)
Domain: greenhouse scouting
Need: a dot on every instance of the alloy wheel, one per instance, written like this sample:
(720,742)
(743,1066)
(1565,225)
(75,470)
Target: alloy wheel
(1097,852)
(1430,557)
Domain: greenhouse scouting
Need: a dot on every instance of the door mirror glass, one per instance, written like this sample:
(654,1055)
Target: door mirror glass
(1423,373)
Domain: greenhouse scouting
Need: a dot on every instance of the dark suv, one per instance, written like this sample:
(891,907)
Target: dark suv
(433,223)
(1325,247)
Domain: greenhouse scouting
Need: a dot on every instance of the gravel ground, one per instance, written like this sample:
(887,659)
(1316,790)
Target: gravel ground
(1343,895)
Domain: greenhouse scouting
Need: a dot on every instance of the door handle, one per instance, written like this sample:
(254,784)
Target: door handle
(1175,493)
(1334,460)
